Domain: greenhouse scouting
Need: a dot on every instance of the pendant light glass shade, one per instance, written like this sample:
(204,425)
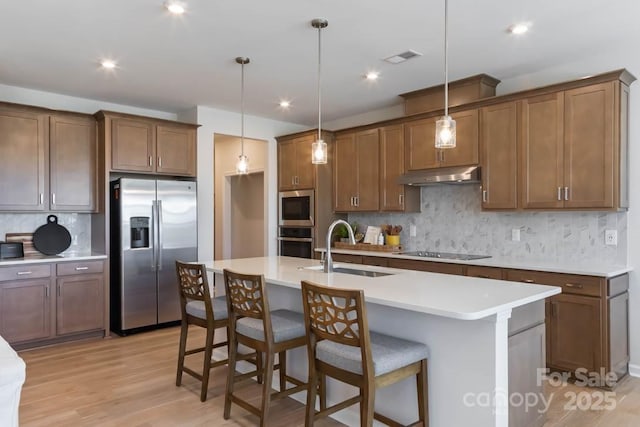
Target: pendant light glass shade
(319,150)
(242,165)
(446,126)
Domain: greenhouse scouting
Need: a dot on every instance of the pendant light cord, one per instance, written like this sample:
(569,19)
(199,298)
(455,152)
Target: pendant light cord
(242,111)
(446,59)
(319,82)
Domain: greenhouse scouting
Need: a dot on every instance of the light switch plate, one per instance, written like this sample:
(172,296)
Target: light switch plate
(412,230)
(611,237)
(515,234)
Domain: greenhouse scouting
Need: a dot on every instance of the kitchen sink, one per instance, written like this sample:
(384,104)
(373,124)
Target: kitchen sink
(354,271)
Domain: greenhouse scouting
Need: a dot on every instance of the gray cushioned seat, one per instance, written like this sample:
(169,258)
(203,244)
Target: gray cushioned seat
(286,325)
(196,308)
(389,353)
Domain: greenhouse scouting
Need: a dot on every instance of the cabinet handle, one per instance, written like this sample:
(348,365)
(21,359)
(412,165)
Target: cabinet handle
(442,156)
(559,193)
(484,196)
(150,161)
(483,276)
(293,180)
(59,291)
(81,268)
(573,285)
(297,180)
(357,201)
(159,161)
(53,198)
(401,199)
(24,273)
(528,281)
(41,198)
(566,193)
(46,291)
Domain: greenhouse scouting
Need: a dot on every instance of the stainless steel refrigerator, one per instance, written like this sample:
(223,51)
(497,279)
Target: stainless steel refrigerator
(153,224)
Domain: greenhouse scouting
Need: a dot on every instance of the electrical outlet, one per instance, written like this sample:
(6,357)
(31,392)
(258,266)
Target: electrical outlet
(515,234)
(412,231)
(611,237)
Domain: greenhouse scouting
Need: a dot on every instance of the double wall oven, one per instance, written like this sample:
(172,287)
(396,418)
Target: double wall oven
(296,221)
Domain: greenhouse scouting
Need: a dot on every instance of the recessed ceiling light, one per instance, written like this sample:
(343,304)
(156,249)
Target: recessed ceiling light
(175,7)
(519,28)
(285,104)
(108,64)
(372,75)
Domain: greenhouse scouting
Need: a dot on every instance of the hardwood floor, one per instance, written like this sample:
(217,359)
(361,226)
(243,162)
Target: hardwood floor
(131,381)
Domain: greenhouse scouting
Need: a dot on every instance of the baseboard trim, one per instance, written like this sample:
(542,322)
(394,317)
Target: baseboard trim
(634,370)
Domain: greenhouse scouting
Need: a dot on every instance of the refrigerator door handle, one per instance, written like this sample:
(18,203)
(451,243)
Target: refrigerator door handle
(160,233)
(154,245)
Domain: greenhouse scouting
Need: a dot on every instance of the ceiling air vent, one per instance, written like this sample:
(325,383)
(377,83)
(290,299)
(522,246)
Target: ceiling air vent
(401,57)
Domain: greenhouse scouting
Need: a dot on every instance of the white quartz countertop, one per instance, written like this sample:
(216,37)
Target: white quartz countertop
(586,268)
(457,297)
(53,258)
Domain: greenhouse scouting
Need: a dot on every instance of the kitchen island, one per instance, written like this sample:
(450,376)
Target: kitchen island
(464,321)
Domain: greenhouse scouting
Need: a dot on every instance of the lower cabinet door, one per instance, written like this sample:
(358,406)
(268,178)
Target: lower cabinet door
(80,303)
(575,333)
(25,310)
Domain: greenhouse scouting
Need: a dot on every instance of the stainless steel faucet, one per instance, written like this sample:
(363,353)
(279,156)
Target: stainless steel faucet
(328,262)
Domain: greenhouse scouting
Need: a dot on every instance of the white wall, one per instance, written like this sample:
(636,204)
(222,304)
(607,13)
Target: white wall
(213,121)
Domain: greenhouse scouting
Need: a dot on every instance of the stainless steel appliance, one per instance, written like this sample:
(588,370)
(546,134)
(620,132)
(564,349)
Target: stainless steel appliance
(153,223)
(296,242)
(445,255)
(297,208)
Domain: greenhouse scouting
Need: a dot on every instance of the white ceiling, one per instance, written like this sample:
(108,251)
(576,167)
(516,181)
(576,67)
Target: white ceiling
(171,63)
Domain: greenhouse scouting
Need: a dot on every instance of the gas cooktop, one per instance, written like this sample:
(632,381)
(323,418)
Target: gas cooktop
(445,255)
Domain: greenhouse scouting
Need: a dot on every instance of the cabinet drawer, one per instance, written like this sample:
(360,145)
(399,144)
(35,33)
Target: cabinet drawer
(354,259)
(82,267)
(570,283)
(428,266)
(374,260)
(484,272)
(27,271)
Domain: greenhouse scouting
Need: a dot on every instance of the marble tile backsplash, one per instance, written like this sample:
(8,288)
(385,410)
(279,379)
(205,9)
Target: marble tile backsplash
(451,220)
(79,225)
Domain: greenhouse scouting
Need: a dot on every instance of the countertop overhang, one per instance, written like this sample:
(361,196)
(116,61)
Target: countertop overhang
(585,268)
(455,297)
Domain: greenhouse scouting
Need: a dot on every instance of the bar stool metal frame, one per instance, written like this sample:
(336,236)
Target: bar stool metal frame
(338,316)
(247,298)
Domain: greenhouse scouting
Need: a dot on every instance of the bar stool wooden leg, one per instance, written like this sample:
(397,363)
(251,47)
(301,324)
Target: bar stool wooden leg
(233,348)
(259,366)
(322,390)
(282,360)
(311,399)
(423,394)
(367,405)
(207,363)
(183,348)
(266,387)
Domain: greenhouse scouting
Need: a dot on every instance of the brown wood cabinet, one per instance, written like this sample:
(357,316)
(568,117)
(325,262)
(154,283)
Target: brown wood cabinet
(572,149)
(24,159)
(73,163)
(428,266)
(498,158)
(356,173)
(420,151)
(295,170)
(394,196)
(484,272)
(33,312)
(147,145)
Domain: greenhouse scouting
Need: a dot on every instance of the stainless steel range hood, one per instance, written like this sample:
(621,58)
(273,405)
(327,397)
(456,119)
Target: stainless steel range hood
(450,175)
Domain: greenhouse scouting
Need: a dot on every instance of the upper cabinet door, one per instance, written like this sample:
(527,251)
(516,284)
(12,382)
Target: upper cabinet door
(132,145)
(24,155)
(368,161)
(391,167)
(542,141)
(287,165)
(73,163)
(175,150)
(345,179)
(420,140)
(466,151)
(305,171)
(589,149)
(499,156)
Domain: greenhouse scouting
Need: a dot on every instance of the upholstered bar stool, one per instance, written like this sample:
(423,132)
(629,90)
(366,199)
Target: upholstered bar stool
(198,308)
(252,324)
(341,346)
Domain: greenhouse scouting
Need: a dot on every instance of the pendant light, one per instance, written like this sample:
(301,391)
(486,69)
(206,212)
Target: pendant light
(242,166)
(446,126)
(319,148)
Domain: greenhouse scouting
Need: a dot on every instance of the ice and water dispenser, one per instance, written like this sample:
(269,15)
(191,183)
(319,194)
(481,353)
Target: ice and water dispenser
(139,232)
